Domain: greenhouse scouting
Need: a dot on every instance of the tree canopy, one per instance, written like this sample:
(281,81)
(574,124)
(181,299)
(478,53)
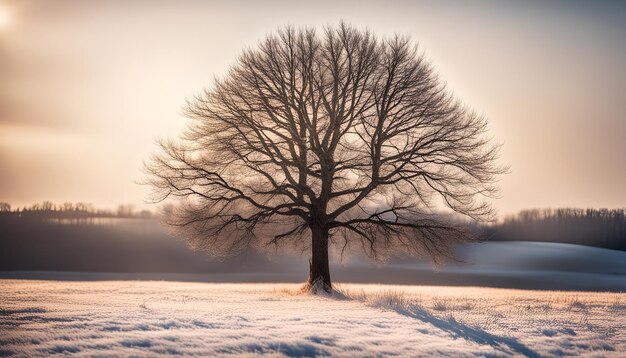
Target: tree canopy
(336,137)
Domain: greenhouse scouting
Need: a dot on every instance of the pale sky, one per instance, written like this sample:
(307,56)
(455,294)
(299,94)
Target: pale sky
(86,86)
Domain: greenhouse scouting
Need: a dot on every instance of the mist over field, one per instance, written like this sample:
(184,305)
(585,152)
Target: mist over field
(141,248)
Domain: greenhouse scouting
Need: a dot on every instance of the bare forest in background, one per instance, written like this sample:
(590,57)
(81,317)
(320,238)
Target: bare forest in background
(69,210)
(605,228)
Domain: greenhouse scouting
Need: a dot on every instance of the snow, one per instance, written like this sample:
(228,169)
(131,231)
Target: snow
(138,318)
(546,256)
(516,264)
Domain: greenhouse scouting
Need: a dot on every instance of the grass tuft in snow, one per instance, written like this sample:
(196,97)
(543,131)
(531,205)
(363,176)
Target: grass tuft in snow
(316,290)
(576,305)
(617,305)
(388,299)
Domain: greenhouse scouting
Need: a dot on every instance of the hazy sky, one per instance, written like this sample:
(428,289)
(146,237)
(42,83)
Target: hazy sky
(86,86)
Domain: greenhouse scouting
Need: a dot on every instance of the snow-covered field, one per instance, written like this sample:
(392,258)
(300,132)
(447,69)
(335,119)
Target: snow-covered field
(104,318)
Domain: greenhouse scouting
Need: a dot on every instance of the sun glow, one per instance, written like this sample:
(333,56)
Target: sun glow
(4,17)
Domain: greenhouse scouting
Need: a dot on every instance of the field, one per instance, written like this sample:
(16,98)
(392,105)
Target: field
(104,318)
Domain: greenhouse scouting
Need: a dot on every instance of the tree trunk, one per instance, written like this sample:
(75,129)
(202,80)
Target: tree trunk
(319,271)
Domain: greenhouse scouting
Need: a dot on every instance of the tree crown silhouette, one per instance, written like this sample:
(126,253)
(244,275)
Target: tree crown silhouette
(335,138)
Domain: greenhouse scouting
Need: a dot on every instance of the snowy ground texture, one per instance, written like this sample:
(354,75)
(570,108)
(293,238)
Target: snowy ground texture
(150,318)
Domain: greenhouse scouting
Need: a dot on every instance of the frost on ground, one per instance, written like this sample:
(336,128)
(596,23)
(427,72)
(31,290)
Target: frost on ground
(41,318)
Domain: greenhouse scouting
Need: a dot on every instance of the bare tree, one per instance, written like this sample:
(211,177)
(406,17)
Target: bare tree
(313,140)
(5,207)
(125,210)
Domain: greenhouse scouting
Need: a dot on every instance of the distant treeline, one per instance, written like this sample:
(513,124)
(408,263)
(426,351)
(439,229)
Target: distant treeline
(50,210)
(604,228)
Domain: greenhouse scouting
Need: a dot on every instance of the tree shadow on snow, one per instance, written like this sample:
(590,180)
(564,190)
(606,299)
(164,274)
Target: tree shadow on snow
(457,329)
